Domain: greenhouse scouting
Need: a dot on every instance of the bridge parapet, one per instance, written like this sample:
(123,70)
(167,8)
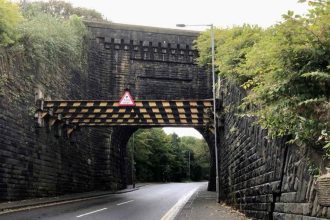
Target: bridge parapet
(161,45)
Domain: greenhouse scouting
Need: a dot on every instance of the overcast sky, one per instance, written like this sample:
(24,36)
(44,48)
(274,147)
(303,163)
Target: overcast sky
(222,13)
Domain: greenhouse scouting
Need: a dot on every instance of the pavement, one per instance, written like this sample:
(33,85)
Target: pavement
(202,205)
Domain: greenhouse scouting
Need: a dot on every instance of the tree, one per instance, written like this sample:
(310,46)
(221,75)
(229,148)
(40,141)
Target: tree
(161,157)
(61,9)
(178,164)
(152,155)
(199,157)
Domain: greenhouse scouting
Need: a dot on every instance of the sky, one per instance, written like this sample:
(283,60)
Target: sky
(221,13)
(183,132)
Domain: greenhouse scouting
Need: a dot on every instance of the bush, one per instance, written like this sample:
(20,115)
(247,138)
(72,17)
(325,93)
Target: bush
(9,18)
(51,42)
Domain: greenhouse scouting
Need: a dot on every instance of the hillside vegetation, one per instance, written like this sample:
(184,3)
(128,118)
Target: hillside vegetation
(57,22)
(47,38)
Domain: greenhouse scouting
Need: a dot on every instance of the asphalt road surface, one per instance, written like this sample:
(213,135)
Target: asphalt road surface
(156,201)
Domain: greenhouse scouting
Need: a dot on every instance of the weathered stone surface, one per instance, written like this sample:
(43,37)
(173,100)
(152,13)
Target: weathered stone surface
(313,218)
(154,63)
(293,208)
(263,177)
(284,216)
(34,163)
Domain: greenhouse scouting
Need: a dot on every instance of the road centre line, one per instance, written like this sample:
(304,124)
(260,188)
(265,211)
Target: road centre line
(99,210)
(125,202)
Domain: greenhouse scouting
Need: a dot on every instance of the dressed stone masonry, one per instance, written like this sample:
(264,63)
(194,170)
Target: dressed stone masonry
(266,178)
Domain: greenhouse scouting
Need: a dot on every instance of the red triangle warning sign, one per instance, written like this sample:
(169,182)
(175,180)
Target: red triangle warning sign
(126,100)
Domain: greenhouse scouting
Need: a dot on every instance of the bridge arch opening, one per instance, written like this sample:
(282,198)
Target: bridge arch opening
(167,154)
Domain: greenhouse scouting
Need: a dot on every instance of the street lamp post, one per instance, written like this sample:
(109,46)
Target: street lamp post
(214,105)
(133,165)
(189,164)
(189,171)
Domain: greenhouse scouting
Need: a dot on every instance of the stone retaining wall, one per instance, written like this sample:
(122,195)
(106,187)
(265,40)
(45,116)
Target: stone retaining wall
(264,178)
(34,162)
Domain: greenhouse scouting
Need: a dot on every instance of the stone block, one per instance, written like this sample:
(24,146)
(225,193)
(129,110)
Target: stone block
(284,216)
(307,208)
(279,207)
(312,218)
(288,197)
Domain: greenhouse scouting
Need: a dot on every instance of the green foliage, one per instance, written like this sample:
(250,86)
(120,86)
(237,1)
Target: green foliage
(152,155)
(3,81)
(285,69)
(49,42)
(235,44)
(200,157)
(320,76)
(52,42)
(232,45)
(10,16)
(51,35)
(313,169)
(325,137)
(161,157)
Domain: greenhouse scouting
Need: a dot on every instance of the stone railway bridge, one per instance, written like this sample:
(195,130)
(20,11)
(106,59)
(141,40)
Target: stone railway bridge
(264,178)
(154,64)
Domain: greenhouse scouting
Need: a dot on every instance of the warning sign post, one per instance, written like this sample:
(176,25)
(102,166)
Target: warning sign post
(126,100)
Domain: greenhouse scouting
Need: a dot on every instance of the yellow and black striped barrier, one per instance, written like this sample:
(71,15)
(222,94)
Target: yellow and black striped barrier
(145,113)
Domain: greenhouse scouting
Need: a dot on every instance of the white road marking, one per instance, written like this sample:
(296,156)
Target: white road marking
(50,204)
(99,210)
(125,202)
(171,214)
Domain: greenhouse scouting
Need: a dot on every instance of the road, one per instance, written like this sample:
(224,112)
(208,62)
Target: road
(156,201)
